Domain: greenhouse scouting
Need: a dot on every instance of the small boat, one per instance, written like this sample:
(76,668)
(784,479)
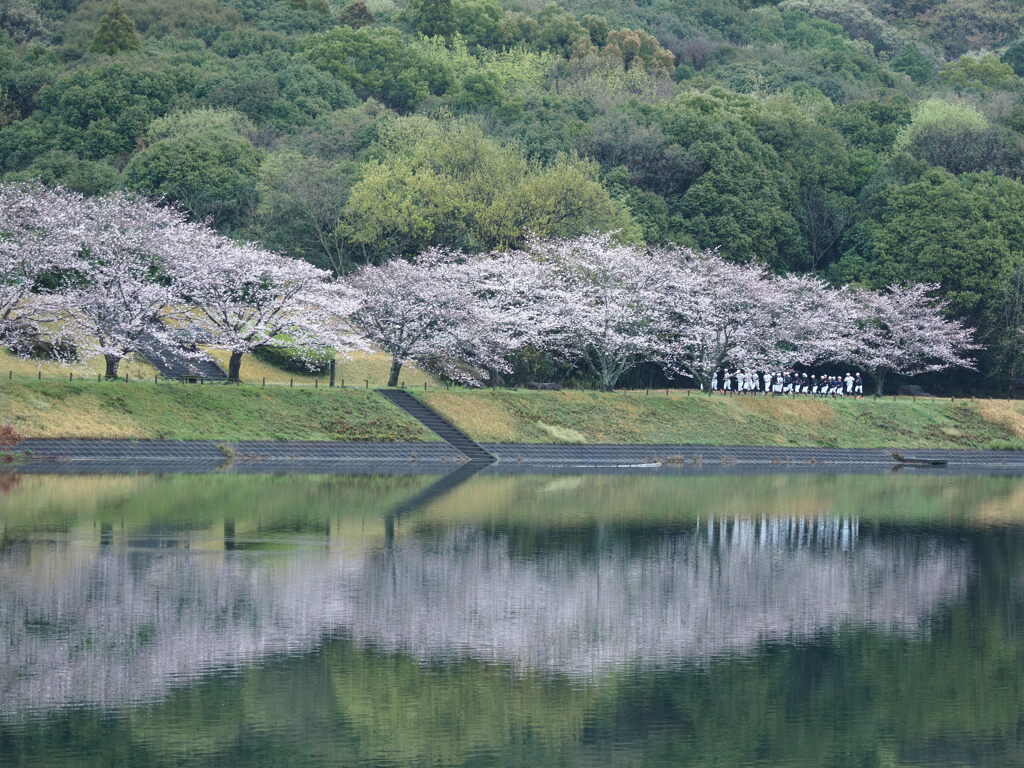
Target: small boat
(912,461)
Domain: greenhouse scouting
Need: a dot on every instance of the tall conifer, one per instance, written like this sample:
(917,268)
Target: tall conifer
(116,32)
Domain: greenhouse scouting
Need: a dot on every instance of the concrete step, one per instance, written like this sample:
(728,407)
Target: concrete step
(174,365)
(438,425)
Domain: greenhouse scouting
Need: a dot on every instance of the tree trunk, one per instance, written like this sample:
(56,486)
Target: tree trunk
(235,366)
(879,381)
(112,362)
(396,368)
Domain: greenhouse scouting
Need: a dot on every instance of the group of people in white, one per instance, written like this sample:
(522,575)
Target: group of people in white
(744,381)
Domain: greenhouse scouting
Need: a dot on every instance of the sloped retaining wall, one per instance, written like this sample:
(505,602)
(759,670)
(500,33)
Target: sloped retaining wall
(170,455)
(204,455)
(618,455)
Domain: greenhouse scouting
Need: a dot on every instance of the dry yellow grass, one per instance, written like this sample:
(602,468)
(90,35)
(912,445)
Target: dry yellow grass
(1003,413)
(354,371)
(813,413)
(485,418)
(82,416)
(375,367)
(255,370)
(136,368)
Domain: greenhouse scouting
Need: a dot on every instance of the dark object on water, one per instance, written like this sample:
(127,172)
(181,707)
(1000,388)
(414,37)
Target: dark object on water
(910,461)
(547,386)
(913,390)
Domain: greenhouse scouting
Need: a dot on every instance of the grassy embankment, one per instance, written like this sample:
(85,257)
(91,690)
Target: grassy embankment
(579,417)
(144,410)
(140,409)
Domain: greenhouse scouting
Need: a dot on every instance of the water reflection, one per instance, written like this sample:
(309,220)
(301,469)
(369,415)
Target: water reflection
(577,620)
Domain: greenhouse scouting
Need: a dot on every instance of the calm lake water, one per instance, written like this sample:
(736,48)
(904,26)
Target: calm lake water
(512,620)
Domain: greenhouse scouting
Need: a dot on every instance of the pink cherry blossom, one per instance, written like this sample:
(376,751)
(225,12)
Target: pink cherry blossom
(245,297)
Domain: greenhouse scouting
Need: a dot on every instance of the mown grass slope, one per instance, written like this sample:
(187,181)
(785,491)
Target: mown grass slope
(173,411)
(504,416)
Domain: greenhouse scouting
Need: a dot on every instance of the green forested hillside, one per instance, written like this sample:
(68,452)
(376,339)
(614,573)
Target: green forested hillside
(867,140)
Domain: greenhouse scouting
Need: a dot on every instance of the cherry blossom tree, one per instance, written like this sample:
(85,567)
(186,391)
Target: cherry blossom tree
(904,330)
(608,303)
(41,232)
(114,294)
(245,297)
(521,302)
(814,322)
(426,311)
(716,312)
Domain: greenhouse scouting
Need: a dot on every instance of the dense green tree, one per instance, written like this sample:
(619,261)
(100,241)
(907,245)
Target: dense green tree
(433,18)
(116,32)
(961,231)
(204,160)
(960,139)
(740,200)
(963,25)
(871,125)
(22,20)
(381,63)
(300,203)
(1014,56)
(912,61)
(98,111)
(479,22)
(90,177)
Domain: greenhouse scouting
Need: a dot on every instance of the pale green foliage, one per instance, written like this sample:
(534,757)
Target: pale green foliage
(852,15)
(936,113)
(981,73)
(445,182)
(200,120)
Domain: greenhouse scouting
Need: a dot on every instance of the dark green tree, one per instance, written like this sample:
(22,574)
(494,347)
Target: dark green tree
(1014,56)
(116,32)
(432,18)
(356,15)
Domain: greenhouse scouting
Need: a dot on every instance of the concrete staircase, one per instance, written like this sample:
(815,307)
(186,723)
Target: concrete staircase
(438,425)
(172,364)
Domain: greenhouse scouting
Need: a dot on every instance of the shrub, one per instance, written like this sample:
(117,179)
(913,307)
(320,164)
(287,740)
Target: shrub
(9,437)
(294,359)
